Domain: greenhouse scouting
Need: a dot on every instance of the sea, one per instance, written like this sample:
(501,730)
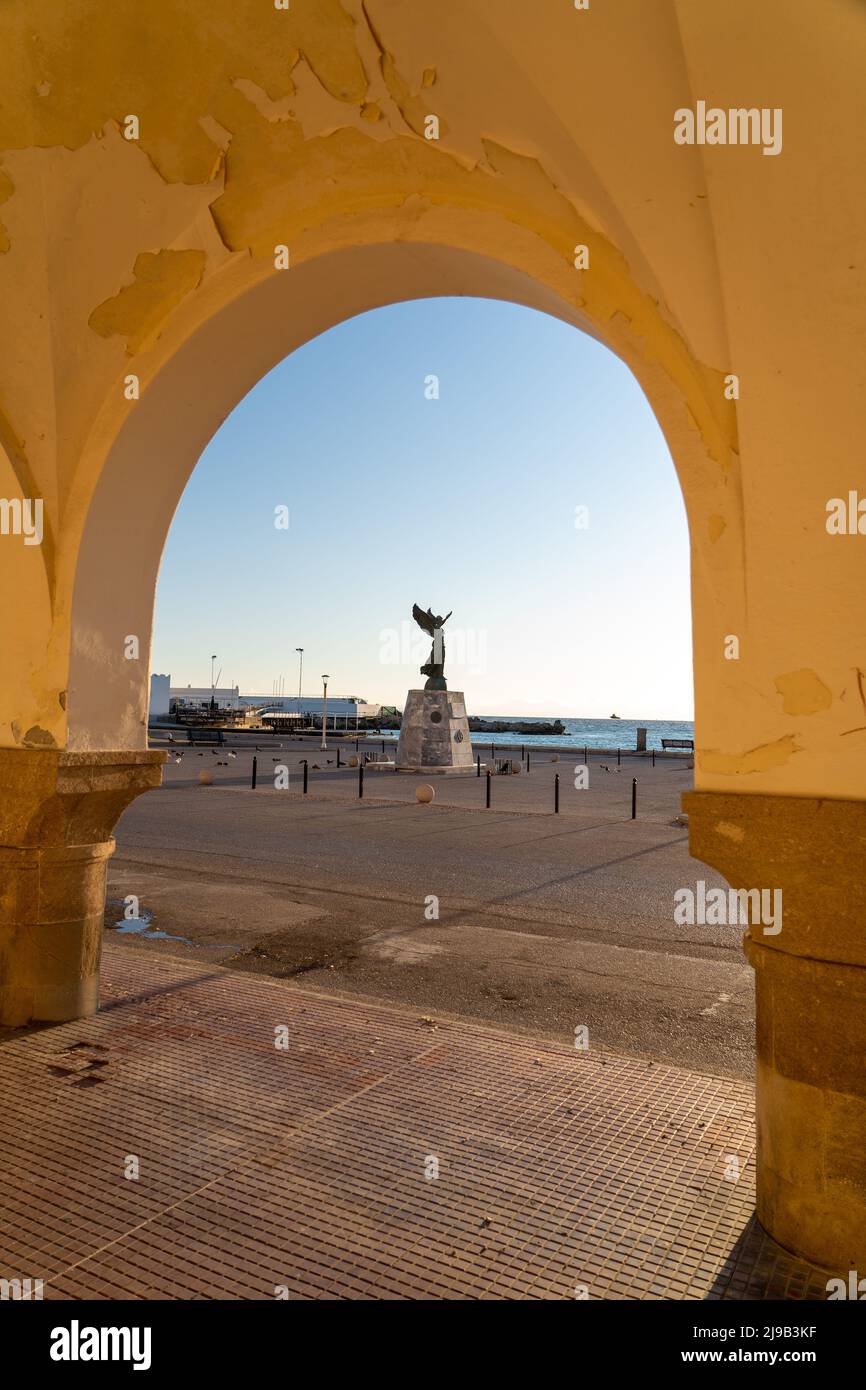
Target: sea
(589,733)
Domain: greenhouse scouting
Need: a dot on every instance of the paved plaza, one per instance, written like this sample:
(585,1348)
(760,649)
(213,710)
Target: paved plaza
(378,1155)
(515,916)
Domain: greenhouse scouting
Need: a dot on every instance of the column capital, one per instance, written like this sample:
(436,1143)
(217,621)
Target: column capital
(57,812)
(56,797)
(812,848)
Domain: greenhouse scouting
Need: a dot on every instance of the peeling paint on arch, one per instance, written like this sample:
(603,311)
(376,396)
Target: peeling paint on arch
(761,759)
(803,692)
(119,47)
(280,110)
(139,311)
(36,737)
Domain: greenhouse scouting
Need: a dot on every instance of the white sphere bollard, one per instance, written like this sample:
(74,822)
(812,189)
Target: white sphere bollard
(425,793)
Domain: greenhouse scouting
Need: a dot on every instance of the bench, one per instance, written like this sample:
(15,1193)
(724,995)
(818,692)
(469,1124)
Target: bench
(205,735)
(679,743)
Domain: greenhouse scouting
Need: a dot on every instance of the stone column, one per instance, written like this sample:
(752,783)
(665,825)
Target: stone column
(57,811)
(811,1009)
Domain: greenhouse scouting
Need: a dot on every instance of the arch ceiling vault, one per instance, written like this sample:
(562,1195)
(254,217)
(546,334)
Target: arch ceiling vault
(153,256)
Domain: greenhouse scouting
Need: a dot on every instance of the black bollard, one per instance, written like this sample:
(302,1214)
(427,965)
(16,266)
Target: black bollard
(654,757)
(617,757)
(356,745)
(305,776)
(360,779)
(338,755)
(634,798)
(492,751)
(585,756)
(255,766)
(478,766)
(383,745)
(488,789)
(527,764)
(556,794)
(523,752)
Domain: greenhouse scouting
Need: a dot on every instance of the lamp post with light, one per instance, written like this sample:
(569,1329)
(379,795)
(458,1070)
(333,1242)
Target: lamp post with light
(325,680)
(300,652)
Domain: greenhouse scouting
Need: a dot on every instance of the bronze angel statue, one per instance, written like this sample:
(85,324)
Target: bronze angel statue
(433,669)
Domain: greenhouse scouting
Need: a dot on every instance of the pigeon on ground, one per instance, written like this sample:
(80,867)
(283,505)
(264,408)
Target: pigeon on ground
(316,767)
(177,760)
(232,755)
(603,768)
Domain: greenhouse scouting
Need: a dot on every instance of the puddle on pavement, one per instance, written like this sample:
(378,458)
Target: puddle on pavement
(140,926)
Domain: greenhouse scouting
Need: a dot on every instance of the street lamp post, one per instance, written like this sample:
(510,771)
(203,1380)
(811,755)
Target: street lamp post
(212,692)
(325,680)
(300,652)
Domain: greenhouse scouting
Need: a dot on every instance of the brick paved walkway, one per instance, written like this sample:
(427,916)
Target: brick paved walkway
(304,1168)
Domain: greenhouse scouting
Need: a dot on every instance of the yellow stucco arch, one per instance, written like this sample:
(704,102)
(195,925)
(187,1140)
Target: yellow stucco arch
(151,160)
(141,452)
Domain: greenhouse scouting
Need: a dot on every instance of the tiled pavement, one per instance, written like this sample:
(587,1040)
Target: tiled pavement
(305,1169)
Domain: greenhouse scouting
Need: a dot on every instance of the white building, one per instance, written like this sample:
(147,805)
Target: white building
(165,697)
(343,711)
(307,704)
(160,696)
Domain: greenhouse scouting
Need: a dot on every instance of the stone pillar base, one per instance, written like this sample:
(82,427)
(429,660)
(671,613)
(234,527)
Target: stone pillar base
(811,1010)
(434,734)
(57,811)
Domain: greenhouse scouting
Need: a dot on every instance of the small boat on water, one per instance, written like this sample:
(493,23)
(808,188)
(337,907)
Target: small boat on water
(614,716)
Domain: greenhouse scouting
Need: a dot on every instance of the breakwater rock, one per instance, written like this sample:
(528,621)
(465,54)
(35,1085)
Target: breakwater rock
(516,726)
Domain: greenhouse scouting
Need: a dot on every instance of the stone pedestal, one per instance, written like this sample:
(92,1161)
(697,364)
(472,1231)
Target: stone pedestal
(434,734)
(57,811)
(811,1009)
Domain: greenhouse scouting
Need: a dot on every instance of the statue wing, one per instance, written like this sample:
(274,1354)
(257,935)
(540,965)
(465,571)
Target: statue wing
(422,619)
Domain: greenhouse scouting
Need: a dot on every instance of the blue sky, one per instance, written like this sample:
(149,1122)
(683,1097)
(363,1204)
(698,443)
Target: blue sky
(465,502)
